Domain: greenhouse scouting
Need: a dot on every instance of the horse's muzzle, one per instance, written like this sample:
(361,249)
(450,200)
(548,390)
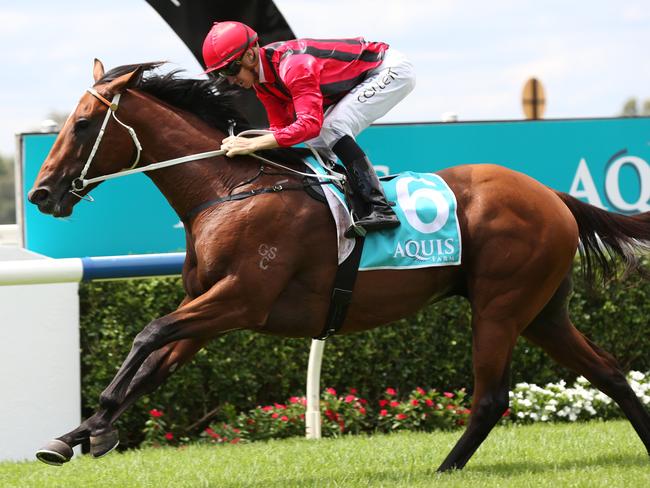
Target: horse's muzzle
(48,203)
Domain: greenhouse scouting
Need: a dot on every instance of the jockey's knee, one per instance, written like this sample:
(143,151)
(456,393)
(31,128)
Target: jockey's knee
(332,132)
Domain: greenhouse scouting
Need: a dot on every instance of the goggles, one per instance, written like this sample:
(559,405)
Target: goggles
(231,69)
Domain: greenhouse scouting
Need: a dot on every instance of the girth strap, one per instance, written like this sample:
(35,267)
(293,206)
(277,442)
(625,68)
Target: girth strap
(247,194)
(346,275)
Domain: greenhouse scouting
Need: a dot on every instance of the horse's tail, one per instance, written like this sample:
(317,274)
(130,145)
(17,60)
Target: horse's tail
(606,236)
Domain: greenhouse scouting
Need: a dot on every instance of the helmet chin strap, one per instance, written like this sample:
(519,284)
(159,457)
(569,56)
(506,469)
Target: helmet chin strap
(78,184)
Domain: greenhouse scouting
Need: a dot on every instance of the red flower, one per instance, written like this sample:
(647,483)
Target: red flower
(267,408)
(383,413)
(212,433)
(350,398)
(235,440)
(284,418)
(155,413)
(401,416)
(390,392)
(169,436)
(506,413)
(363,401)
(362,410)
(383,403)
(429,402)
(279,406)
(353,391)
(394,403)
(294,400)
(420,391)
(415,403)
(330,414)
(275,415)
(448,395)
(331,391)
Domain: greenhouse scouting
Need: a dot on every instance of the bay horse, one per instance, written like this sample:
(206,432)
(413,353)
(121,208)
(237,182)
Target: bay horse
(519,242)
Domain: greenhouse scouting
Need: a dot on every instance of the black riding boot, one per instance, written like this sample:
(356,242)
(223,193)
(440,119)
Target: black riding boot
(375,213)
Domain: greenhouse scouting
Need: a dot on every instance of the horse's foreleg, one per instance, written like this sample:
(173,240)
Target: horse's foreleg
(222,308)
(227,306)
(155,370)
(493,342)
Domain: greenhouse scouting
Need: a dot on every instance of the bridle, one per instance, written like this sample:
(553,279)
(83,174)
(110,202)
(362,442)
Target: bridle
(79,183)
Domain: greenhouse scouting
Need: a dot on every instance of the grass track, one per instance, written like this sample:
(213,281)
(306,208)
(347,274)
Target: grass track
(582,455)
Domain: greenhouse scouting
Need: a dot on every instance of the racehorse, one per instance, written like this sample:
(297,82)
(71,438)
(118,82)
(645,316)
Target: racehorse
(519,242)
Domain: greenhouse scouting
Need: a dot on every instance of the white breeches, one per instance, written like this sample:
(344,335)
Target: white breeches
(371,99)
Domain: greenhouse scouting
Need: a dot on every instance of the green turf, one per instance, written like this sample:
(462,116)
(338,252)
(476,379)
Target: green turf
(583,454)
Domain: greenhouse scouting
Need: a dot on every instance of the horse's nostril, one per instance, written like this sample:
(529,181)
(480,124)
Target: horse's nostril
(38,195)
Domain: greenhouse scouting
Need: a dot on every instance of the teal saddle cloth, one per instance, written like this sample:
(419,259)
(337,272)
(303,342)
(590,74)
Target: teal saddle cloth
(428,234)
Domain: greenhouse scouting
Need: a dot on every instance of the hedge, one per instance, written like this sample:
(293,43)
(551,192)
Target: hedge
(242,370)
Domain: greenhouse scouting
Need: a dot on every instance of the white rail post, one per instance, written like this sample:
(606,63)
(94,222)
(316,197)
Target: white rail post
(40,271)
(312,415)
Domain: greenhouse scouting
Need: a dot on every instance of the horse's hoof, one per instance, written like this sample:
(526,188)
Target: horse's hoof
(55,453)
(102,444)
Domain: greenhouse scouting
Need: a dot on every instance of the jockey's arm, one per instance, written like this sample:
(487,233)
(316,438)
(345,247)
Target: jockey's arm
(303,83)
(301,75)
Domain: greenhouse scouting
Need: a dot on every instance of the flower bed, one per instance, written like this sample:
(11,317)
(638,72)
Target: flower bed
(420,410)
(557,403)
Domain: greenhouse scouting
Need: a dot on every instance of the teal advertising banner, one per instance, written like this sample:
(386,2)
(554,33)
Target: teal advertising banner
(601,161)
(129,215)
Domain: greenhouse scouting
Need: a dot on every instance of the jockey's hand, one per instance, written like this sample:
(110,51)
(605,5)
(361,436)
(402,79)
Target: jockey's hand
(239,146)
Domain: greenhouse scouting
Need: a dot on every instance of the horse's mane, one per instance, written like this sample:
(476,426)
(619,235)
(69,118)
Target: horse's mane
(214,103)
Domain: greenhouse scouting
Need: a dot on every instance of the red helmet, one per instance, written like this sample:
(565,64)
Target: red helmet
(226,42)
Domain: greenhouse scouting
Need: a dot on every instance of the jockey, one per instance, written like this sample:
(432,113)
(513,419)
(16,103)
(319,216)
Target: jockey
(319,91)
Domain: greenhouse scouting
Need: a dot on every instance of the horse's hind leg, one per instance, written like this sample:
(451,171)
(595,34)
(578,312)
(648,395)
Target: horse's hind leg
(553,331)
(493,341)
(506,295)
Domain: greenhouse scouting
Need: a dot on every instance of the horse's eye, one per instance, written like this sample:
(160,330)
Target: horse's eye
(81,124)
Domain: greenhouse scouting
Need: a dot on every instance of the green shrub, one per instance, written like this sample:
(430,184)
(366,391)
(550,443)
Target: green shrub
(241,370)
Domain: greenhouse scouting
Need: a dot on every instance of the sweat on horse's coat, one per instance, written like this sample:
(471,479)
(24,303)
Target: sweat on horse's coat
(519,241)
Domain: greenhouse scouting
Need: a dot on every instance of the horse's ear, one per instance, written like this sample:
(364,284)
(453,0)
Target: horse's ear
(98,70)
(126,81)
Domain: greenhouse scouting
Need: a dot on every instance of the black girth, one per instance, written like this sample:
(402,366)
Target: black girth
(306,184)
(346,273)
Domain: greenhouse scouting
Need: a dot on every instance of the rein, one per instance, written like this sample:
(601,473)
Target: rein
(78,184)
